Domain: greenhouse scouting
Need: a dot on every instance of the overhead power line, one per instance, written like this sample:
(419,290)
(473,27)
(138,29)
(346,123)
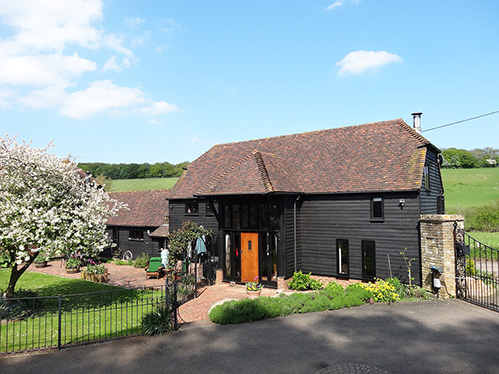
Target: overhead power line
(464,120)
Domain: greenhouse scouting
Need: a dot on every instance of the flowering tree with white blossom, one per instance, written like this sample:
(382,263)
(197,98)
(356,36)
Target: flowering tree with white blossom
(47,207)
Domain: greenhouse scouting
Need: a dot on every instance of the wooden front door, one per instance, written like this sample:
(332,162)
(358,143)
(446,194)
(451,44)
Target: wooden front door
(249,257)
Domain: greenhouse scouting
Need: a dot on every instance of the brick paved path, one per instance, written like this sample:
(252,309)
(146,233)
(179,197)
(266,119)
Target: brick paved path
(195,312)
(192,313)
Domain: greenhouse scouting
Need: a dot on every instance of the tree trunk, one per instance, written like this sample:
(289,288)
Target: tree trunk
(15,274)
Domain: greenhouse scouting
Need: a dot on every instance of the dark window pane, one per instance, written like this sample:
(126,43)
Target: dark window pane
(244,216)
(368,258)
(228,216)
(264,216)
(377,208)
(191,207)
(342,250)
(235,217)
(253,218)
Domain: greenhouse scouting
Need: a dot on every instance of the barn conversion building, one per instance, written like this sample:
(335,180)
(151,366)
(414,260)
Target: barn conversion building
(340,203)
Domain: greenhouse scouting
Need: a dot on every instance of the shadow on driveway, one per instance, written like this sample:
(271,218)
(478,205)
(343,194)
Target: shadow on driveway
(440,336)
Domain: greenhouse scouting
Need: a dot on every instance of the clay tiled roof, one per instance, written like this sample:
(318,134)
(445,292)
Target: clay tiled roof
(161,232)
(146,208)
(381,156)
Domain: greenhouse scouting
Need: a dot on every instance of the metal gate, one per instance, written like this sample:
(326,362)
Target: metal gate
(477,271)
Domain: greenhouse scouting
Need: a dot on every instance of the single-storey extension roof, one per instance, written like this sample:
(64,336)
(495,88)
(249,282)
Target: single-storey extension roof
(375,157)
(145,208)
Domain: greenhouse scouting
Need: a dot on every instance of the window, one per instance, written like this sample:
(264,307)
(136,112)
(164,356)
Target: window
(440,205)
(191,207)
(209,211)
(377,208)
(135,235)
(368,258)
(426,178)
(342,256)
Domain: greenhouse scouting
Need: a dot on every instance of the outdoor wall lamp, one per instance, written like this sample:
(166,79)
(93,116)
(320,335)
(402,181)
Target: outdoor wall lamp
(436,271)
(401,203)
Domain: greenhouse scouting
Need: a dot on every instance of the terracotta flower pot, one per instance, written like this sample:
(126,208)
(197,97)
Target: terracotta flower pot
(253,294)
(40,264)
(72,270)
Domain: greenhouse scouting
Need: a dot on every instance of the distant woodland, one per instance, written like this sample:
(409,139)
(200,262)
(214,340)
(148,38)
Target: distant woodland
(477,158)
(134,171)
(452,158)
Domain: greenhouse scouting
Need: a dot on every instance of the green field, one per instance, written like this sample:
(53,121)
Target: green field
(465,188)
(142,184)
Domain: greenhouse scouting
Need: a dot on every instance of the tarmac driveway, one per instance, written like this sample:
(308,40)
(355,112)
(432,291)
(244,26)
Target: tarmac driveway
(440,336)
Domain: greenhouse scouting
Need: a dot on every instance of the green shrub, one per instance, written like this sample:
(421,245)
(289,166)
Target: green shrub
(142,261)
(483,218)
(270,307)
(399,287)
(5,260)
(157,321)
(470,267)
(382,291)
(303,282)
(121,262)
(334,286)
(25,304)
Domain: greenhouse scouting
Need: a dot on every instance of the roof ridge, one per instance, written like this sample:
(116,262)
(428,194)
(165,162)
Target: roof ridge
(223,174)
(396,120)
(412,132)
(264,174)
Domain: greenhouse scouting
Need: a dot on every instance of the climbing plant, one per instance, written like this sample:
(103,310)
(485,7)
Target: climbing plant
(180,239)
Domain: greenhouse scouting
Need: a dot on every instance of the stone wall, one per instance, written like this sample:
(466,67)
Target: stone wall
(437,249)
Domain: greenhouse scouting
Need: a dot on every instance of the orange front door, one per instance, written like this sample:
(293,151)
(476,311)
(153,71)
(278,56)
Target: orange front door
(249,257)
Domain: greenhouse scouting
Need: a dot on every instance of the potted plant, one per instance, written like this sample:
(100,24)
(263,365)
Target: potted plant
(254,289)
(41,260)
(73,264)
(95,272)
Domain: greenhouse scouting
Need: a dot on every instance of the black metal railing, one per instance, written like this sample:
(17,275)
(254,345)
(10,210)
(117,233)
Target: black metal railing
(33,323)
(477,271)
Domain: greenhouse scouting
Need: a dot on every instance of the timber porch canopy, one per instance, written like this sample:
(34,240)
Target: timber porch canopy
(251,187)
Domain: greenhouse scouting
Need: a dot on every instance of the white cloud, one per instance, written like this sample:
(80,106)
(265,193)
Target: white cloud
(43,69)
(334,5)
(112,64)
(37,71)
(195,139)
(160,107)
(43,98)
(134,22)
(101,96)
(358,62)
(42,26)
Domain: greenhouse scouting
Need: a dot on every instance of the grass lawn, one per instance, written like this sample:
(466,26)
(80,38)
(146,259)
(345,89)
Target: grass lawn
(142,184)
(489,238)
(85,318)
(50,285)
(466,188)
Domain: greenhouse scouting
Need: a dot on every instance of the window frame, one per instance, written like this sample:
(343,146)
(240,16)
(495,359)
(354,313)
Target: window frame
(136,235)
(364,243)
(374,210)
(426,178)
(192,208)
(339,258)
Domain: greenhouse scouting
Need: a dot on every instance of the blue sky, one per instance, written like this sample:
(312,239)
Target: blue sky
(152,81)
